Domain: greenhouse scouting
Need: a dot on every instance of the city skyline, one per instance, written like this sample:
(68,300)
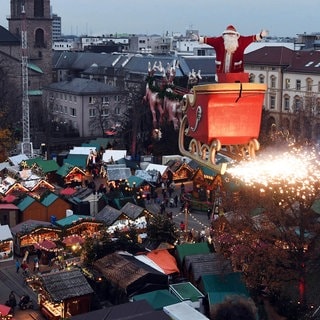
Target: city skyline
(94,17)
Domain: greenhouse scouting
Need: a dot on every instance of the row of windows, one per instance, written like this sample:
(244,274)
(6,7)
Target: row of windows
(105,99)
(64,109)
(64,96)
(298,103)
(93,112)
(92,99)
(298,86)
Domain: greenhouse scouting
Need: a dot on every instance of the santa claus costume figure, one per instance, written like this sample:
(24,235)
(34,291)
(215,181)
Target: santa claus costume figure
(230,48)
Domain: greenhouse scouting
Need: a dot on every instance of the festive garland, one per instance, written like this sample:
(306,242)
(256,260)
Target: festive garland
(164,91)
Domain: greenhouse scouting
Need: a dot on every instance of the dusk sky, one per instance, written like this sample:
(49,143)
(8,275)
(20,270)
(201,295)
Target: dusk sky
(210,17)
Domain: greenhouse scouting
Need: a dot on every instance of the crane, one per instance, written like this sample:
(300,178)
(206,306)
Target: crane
(26,145)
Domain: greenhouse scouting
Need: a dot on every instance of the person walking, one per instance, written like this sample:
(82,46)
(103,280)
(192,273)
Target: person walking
(12,301)
(17,265)
(175,199)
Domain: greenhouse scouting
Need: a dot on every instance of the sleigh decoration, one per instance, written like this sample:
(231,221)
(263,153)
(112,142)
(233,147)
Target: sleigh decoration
(222,117)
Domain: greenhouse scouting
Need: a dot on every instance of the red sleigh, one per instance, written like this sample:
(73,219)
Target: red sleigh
(222,117)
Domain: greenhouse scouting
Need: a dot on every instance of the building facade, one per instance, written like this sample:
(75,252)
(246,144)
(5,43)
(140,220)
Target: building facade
(293,96)
(56,27)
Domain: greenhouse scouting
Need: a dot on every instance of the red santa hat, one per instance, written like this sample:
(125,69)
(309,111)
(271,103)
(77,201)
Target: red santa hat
(230,29)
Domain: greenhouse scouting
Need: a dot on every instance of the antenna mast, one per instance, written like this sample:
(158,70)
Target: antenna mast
(26,146)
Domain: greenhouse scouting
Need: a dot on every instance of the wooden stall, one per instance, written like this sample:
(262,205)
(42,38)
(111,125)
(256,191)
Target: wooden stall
(27,234)
(64,294)
(6,243)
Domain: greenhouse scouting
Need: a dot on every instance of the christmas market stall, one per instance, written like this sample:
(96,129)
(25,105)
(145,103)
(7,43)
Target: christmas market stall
(181,171)
(64,294)
(128,276)
(31,232)
(83,226)
(70,176)
(136,216)
(6,243)
(111,217)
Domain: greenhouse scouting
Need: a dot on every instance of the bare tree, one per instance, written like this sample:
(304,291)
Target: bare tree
(273,233)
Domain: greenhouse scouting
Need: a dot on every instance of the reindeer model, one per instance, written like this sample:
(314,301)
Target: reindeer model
(153,98)
(171,106)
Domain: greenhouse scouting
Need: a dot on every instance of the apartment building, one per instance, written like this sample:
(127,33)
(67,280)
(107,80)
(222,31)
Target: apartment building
(293,80)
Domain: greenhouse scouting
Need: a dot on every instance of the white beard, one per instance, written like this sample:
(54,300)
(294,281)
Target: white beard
(230,43)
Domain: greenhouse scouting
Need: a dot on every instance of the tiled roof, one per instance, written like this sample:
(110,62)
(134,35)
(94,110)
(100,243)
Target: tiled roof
(77,160)
(67,221)
(305,62)
(25,203)
(224,282)
(82,86)
(45,165)
(7,37)
(136,310)
(274,56)
(137,181)
(65,169)
(188,249)
(49,199)
(96,63)
(118,173)
(292,61)
(32,225)
(119,270)
(132,211)
(108,215)
(64,285)
(210,263)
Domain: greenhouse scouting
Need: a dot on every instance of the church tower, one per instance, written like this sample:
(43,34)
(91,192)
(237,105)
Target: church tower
(38,24)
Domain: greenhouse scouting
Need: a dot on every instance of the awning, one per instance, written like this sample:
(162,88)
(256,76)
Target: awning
(73,240)
(45,245)
(4,310)
(68,191)
(164,260)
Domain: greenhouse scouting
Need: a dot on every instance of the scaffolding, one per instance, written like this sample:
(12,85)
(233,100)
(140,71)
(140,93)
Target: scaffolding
(26,145)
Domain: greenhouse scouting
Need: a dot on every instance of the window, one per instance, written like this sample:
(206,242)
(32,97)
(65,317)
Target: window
(38,8)
(105,100)
(117,110)
(73,112)
(287,103)
(91,100)
(309,85)
(272,102)
(75,98)
(104,112)
(39,38)
(252,78)
(287,83)
(65,109)
(65,97)
(298,85)
(319,86)
(297,104)
(273,82)
(70,97)
(261,78)
(92,113)
(318,107)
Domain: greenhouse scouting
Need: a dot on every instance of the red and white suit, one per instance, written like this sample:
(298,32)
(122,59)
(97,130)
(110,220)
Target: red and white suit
(230,62)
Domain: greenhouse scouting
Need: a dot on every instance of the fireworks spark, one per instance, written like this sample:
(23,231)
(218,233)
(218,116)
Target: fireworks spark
(296,171)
